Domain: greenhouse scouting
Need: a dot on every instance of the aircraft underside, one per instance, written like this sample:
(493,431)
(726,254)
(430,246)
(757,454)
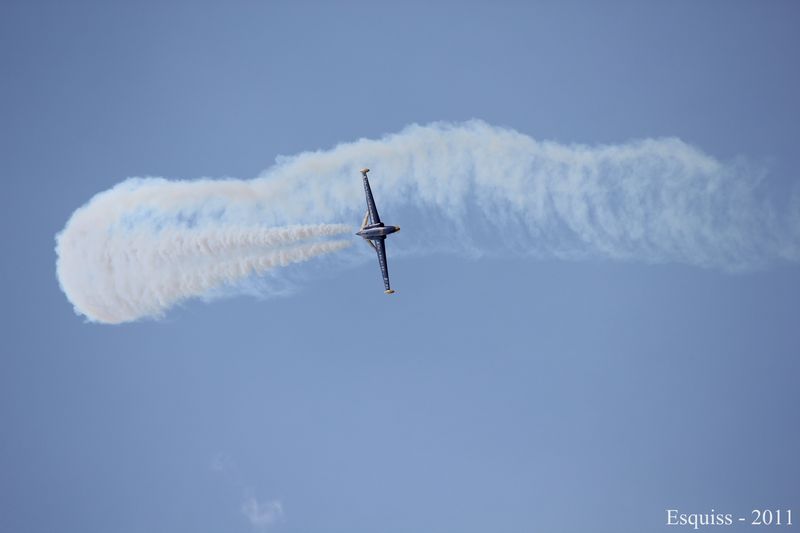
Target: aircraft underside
(374,232)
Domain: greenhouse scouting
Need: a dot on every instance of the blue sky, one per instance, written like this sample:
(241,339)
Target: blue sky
(500,393)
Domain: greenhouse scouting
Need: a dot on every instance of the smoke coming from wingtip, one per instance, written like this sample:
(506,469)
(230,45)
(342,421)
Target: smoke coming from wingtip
(137,249)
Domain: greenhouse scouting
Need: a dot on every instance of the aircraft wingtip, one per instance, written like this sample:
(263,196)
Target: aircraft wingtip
(390,291)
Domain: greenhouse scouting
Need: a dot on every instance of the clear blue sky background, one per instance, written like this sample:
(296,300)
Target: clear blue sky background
(501,395)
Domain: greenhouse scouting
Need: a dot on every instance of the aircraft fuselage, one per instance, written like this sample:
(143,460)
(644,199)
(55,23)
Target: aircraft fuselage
(377,231)
(374,231)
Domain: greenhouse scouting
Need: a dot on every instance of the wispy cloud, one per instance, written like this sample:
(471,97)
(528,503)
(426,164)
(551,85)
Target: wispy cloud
(262,514)
(223,463)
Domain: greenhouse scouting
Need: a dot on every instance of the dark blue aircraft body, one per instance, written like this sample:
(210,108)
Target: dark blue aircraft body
(374,231)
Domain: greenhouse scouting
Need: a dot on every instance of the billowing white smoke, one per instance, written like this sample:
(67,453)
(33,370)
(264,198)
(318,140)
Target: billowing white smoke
(114,270)
(137,249)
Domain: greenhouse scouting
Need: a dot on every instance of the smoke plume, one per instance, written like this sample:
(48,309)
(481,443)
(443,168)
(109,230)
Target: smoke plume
(137,249)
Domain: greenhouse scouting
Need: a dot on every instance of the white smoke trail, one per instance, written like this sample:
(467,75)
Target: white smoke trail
(147,243)
(115,271)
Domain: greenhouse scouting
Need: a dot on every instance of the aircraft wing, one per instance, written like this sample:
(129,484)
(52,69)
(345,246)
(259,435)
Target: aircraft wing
(380,247)
(373,211)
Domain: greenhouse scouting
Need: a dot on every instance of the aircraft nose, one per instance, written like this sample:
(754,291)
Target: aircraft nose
(398,228)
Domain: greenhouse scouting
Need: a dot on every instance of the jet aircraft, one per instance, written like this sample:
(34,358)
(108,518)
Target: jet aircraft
(374,231)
